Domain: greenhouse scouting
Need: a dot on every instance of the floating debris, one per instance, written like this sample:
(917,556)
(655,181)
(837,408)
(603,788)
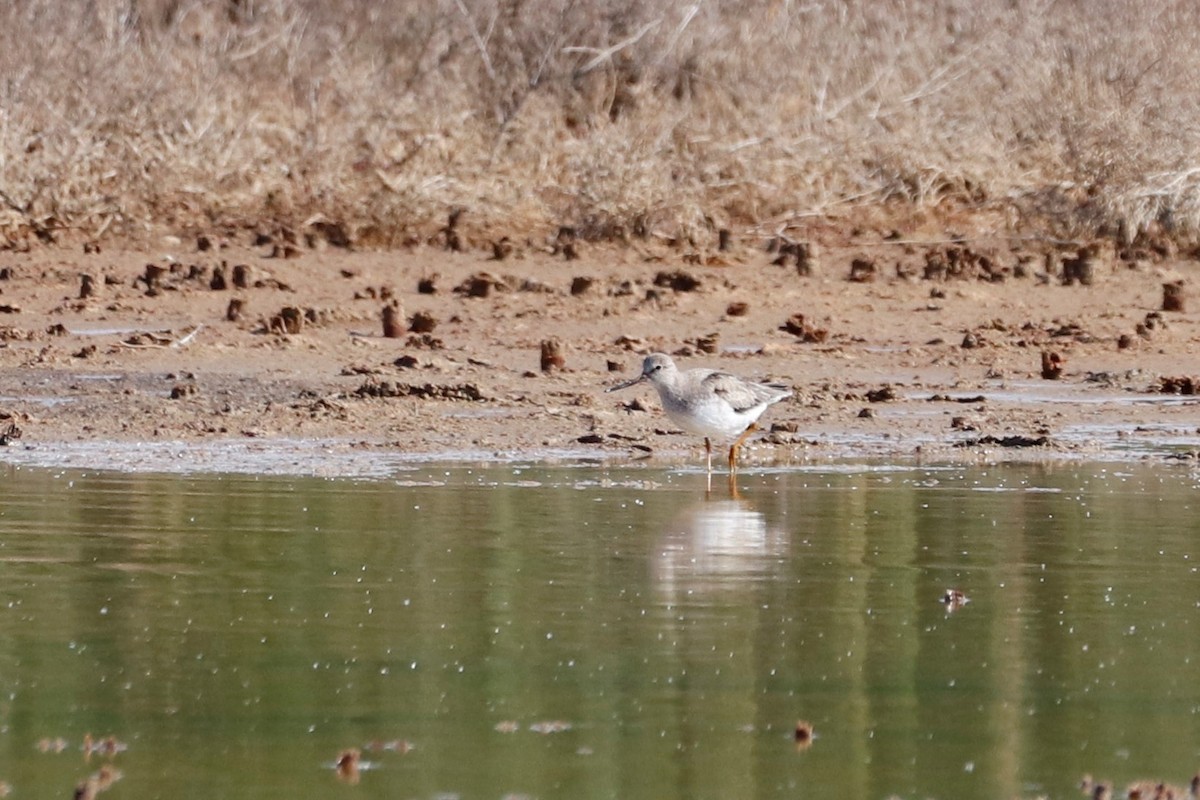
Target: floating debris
(389,746)
(55,745)
(107,746)
(97,782)
(953,599)
(348,765)
(9,433)
(803,734)
(1006,441)
(507,726)
(1156,790)
(550,726)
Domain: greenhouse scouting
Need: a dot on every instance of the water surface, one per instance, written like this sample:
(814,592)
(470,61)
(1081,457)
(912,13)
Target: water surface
(560,632)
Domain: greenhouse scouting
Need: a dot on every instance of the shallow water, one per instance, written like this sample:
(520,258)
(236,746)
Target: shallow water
(575,632)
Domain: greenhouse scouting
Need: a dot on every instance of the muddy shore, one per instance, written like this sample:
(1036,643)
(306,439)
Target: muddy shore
(940,351)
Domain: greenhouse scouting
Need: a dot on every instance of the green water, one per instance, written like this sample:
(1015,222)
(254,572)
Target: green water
(237,633)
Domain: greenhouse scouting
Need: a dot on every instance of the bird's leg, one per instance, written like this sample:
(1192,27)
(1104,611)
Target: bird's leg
(708,452)
(733,449)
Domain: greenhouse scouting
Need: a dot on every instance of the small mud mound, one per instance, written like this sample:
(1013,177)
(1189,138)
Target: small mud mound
(427,391)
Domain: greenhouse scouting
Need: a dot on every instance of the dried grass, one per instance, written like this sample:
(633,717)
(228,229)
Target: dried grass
(619,117)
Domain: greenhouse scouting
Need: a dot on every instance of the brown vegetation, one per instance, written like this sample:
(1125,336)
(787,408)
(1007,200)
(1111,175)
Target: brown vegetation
(341,123)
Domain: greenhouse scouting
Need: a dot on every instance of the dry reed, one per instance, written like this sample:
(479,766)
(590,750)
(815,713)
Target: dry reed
(619,118)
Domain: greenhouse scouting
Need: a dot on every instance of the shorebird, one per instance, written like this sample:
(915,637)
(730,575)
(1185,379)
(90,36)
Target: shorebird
(708,403)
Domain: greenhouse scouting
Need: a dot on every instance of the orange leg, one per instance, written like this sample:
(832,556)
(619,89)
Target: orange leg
(733,449)
(708,451)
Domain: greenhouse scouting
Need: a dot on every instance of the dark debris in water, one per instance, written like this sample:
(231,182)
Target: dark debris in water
(348,764)
(803,735)
(9,433)
(945,398)
(544,727)
(954,599)
(1006,441)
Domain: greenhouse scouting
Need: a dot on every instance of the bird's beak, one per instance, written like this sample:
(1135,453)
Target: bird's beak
(626,384)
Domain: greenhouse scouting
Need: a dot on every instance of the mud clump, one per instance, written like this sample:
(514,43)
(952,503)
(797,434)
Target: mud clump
(151,277)
(451,238)
(428,391)
(1183,385)
(393,326)
(233,312)
(502,248)
(1052,365)
(1153,321)
(883,394)
(422,322)
(581,284)
(289,320)
(240,275)
(554,355)
(1082,268)
(565,243)
(862,270)
(956,262)
(709,343)
(803,255)
(678,281)
(798,326)
(481,284)
(737,309)
(87,286)
(1173,299)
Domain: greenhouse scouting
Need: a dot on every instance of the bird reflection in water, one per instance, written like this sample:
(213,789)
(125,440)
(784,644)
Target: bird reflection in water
(718,542)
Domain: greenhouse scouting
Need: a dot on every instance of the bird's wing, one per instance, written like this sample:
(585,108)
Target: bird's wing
(740,394)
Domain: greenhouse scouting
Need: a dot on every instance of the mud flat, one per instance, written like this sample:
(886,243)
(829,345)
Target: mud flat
(239,356)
